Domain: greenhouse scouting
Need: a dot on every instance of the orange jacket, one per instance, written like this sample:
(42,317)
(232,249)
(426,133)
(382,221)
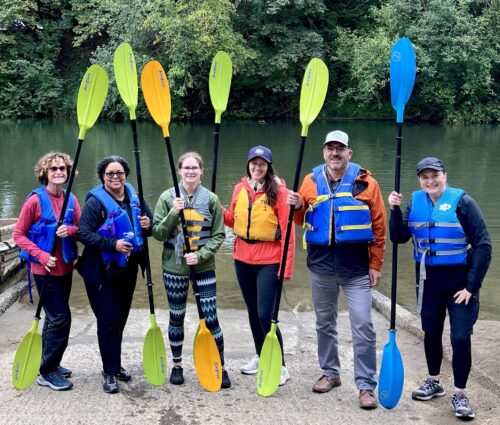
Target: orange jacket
(263,252)
(371,196)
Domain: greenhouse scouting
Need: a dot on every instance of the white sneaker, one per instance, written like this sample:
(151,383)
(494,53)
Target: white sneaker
(285,376)
(251,367)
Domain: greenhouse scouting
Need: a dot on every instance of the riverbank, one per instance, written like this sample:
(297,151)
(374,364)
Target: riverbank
(295,403)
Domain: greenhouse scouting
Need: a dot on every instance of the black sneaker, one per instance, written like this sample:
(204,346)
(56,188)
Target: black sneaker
(55,381)
(109,384)
(429,389)
(226,382)
(177,375)
(64,371)
(461,406)
(123,375)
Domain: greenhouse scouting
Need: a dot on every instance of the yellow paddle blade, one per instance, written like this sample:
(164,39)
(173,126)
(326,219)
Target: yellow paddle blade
(219,83)
(154,358)
(27,359)
(91,97)
(126,76)
(207,359)
(156,92)
(313,92)
(270,361)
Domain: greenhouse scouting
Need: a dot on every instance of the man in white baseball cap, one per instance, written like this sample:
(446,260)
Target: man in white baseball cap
(343,212)
(337,136)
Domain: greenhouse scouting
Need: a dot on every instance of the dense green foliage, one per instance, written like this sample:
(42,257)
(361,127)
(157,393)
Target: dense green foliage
(46,45)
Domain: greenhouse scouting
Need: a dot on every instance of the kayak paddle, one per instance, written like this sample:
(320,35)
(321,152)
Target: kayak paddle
(219,84)
(154,359)
(402,77)
(206,355)
(91,97)
(312,97)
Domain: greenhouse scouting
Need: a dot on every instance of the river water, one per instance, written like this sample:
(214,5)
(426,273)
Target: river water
(471,155)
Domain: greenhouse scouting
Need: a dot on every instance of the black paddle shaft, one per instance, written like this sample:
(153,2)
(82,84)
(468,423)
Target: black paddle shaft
(192,273)
(216,154)
(59,223)
(397,178)
(149,279)
(288,231)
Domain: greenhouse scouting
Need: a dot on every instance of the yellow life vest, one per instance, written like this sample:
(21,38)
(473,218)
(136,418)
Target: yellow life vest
(198,222)
(257,221)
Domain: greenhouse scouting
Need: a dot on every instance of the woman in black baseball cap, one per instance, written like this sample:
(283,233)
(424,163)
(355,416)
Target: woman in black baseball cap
(259,214)
(452,251)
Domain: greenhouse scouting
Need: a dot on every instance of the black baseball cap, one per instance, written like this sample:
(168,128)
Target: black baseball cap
(431,163)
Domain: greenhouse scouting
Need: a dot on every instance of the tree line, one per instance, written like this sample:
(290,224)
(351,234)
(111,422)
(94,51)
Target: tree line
(46,45)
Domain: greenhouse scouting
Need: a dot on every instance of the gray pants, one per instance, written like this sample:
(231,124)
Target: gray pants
(358,295)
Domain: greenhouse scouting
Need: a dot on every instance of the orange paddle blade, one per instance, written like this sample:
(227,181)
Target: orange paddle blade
(156,92)
(207,360)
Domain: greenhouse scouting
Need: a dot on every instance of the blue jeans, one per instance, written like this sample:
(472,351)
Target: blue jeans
(57,323)
(259,287)
(358,296)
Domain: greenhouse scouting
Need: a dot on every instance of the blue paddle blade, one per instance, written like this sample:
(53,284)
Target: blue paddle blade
(392,374)
(403,70)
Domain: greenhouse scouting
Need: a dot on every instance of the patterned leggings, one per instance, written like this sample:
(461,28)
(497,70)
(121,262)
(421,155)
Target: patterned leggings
(177,292)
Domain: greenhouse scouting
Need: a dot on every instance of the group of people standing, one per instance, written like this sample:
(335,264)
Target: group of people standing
(342,210)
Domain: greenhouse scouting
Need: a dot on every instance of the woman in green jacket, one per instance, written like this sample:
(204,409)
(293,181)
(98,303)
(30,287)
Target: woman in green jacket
(205,220)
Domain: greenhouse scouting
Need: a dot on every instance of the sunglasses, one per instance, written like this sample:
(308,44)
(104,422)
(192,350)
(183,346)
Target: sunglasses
(61,169)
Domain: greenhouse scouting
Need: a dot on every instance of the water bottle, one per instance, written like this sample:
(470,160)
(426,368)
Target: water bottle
(123,259)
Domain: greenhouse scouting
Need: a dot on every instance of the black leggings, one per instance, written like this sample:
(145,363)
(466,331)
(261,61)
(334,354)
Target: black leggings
(462,319)
(259,286)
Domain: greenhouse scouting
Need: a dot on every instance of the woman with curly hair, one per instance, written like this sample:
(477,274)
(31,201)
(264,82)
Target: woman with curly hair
(35,233)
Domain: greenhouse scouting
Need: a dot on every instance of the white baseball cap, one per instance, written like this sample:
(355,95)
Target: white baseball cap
(337,136)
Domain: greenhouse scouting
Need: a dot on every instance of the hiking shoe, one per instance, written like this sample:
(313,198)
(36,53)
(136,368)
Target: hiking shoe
(226,382)
(285,376)
(109,384)
(123,375)
(251,367)
(429,389)
(55,381)
(64,371)
(177,375)
(461,406)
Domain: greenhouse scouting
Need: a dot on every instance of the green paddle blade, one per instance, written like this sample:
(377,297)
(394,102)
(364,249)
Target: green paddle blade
(154,358)
(27,359)
(207,359)
(126,76)
(91,97)
(313,92)
(270,361)
(219,83)
(156,92)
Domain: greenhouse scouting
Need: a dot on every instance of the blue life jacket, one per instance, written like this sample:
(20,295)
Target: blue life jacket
(438,236)
(118,221)
(352,217)
(43,232)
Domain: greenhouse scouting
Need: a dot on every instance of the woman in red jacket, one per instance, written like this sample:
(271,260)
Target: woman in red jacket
(35,233)
(259,214)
